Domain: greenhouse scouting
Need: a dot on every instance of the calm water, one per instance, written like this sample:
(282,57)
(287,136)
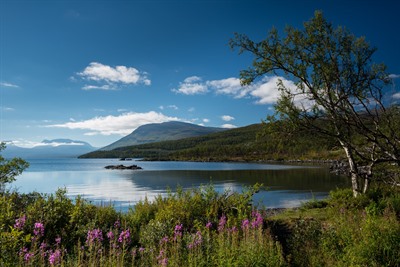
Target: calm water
(288,186)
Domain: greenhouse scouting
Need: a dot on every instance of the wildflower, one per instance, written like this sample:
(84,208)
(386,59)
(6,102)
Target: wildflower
(208,225)
(245,224)
(42,248)
(93,236)
(58,240)
(141,249)
(117,224)
(258,220)
(55,257)
(20,222)
(125,237)
(222,222)
(178,231)
(38,229)
(23,251)
(110,235)
(28,256)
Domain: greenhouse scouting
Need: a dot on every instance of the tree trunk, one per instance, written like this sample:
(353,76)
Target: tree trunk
(353,169)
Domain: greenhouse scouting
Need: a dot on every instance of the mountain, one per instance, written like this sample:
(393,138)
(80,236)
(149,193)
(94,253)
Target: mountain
(57,148)
(166,131)
(248,143)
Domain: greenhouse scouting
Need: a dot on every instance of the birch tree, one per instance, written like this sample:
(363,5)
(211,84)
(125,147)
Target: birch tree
(339,92)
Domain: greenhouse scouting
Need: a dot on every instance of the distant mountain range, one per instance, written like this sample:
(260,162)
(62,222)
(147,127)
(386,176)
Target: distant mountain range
(166,131)
(57,148)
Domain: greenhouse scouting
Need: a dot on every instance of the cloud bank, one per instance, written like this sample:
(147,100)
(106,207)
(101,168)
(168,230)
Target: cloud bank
(122,124)
(264,91)
(112,76)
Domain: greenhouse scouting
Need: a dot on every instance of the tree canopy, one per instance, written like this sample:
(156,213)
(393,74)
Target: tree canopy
(339,91)
(9,169)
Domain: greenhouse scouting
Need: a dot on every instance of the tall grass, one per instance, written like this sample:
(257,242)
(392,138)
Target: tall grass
(199,227)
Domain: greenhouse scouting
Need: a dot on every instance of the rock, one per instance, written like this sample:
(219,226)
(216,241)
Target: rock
(123,167)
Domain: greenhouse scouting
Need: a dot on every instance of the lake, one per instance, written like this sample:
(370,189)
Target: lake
(287,185)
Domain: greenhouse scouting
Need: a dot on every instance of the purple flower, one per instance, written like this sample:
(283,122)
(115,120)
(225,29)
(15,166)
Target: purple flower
(257,219)
(55,257)
(125,236)
(38,229)
(58,240)
(245,224)
(20,222)
(110,235)
(95,235)
(208,225)
(178,231)
(117,224)
(222,222)
(28,256)
(141,249)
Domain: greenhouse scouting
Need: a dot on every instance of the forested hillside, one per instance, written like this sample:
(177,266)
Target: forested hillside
(250,143)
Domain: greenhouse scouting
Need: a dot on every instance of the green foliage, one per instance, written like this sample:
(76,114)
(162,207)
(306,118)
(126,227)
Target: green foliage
(9,169)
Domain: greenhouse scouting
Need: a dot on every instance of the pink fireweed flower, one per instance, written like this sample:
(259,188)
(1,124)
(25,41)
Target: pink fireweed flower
(38,229)
(55,257)
(20,222)
(125,237)
(178,231)
(141,249)
(222,222)
(257,219)
(208,225)
(28,256)
(93,236)
(110,235)
(245,224)
(58,240)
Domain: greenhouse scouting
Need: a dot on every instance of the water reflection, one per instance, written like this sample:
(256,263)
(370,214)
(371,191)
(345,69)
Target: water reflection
(287,186)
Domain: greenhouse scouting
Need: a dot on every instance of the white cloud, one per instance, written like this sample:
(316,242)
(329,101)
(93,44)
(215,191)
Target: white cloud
(228,126)
(394,76)
(191,86)
(229,86)
(31,144)
(192,109)
(6,84)
(112,75)
(396,96)
(227,118)
(267,89)
(206,120)
(101,87)
(122,124)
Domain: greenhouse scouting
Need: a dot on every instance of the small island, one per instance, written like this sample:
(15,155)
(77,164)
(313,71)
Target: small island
(123,167)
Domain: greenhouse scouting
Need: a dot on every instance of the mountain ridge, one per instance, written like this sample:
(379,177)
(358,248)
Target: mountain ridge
(157,132)
(55,148)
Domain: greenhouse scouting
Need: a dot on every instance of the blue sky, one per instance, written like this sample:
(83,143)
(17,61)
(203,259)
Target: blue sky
(96,70)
